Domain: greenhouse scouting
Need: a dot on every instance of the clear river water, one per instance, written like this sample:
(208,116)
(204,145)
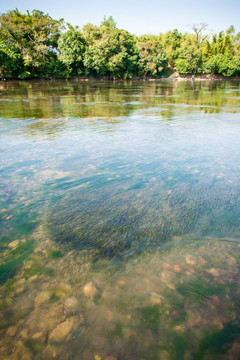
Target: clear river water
(120,220)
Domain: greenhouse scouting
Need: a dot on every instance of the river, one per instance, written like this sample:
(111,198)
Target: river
(119,210)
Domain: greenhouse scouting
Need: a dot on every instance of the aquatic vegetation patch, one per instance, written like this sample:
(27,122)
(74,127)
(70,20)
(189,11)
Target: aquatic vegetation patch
(124,223)
(38,269)
(219,342)
(13,260)
(55,254)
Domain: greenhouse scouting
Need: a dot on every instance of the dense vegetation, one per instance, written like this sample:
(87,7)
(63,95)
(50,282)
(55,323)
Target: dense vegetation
(34,45)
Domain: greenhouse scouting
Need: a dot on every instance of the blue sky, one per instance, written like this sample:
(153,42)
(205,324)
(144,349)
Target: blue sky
(138,16)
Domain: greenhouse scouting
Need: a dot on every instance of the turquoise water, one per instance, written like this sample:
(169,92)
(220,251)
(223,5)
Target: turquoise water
(120,232)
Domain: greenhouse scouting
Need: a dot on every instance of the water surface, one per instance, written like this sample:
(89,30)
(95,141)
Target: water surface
(120,207)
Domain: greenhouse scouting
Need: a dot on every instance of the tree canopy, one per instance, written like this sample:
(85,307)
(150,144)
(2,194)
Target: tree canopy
(34,45)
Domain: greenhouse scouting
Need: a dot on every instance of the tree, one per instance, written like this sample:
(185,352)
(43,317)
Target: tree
(110,51)
(71,46)
(189,60)
(171,42)
(109,22)
(199,29)
(152,56)
(33,37)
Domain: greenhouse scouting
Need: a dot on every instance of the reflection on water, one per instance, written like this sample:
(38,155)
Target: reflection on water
(120,207)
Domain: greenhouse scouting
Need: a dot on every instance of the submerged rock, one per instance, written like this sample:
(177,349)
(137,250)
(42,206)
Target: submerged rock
(24,335)
(42,297)
(39,336)
(21,352)
(14,244)
(11,331)
(60,333)
(51,352)
(90,290)
(70,305)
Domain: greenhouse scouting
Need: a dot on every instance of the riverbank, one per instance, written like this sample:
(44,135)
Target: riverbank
(175,77)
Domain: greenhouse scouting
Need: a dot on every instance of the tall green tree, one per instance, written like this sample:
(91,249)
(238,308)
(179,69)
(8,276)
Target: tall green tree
(71,46)
(110,51)
(152,56)
(31,37)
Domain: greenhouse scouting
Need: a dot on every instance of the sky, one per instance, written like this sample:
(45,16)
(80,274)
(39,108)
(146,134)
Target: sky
(138,16)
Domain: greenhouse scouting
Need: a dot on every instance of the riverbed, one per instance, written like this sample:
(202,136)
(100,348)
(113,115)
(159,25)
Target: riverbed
(120,208)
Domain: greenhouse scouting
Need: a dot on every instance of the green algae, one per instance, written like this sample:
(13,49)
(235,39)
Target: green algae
(219,342)
(38,269)
(14,259)
(55,254)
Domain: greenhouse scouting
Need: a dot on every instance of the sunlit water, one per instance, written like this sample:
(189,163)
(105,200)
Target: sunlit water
(120,208)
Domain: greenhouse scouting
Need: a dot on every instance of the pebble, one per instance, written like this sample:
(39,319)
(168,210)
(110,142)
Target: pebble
(164,355)
(24,335)
(90,290)
(155,298)
(70,305)
(61,331)
(21,352)
(218,323)
(51,352)
(9,217)
(194,319)
(177,269)
(42,297)
(179,328)
(14,244)
(189,260)
(177,238)
(39,336)
(20,290)
(167,280)
(11,331)
(213,272)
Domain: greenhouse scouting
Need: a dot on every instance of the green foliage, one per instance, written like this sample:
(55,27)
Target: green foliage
(33,45)
(189,60)
(71,45)
(152,56)
(30,38)
(110,52)
(226,65)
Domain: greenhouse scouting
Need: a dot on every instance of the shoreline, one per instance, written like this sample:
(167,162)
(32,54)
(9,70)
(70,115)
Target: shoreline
(173,77)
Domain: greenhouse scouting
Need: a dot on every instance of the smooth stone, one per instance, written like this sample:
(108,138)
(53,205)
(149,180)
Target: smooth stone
(42,297)
(155,298)
(51,352)
(177,269)
(20,282)
(90,290)
(21,352)
(70,305)
(214,272)
(11,331)
(61,331)
(20,290)
(39,336)
(14,244)
(164,355)
(189,260)
(24,335)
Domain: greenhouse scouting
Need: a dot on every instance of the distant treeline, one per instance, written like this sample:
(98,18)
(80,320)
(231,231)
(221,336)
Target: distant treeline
(33,45)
